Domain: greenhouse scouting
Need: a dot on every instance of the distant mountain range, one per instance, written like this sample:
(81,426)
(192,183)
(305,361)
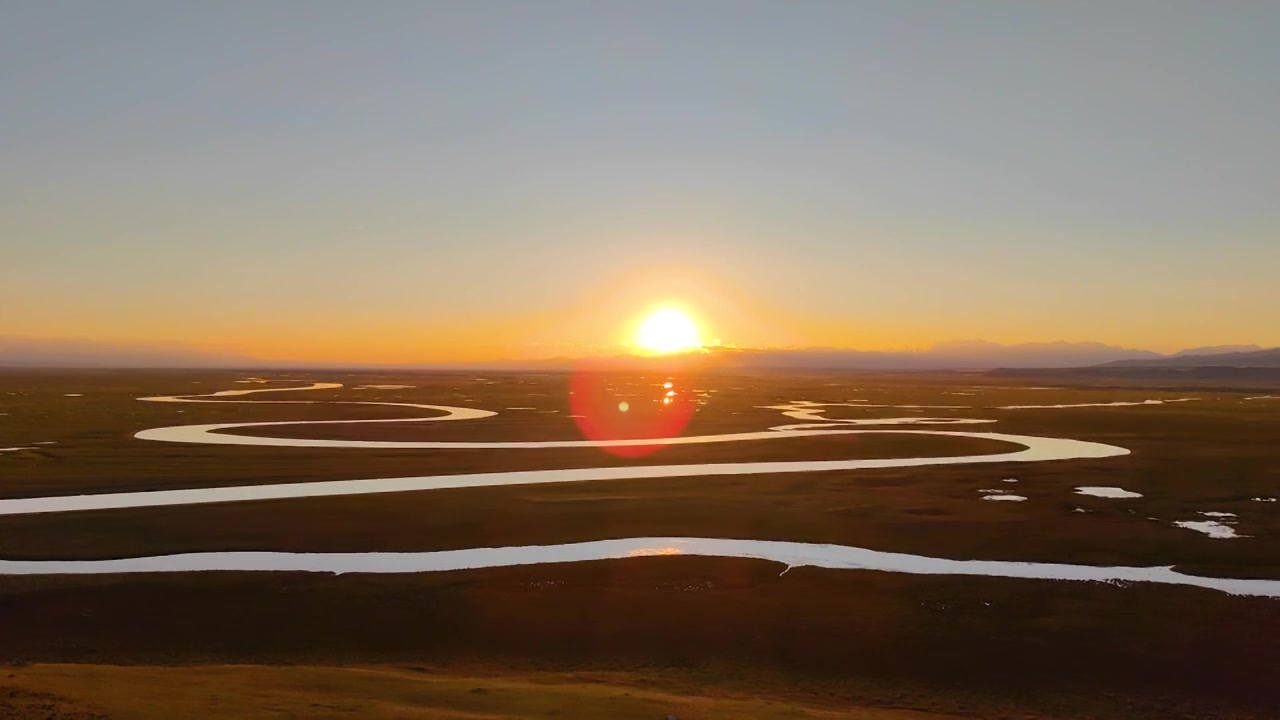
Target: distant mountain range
(1256,358)
(964,355)
(1218,350)
(961,355)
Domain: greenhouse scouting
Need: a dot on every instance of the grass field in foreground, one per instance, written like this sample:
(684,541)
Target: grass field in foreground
(98,692)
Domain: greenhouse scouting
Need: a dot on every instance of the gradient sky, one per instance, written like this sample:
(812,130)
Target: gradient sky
(404,181)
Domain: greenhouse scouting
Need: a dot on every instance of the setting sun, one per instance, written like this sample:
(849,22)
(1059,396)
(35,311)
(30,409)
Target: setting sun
(668,330)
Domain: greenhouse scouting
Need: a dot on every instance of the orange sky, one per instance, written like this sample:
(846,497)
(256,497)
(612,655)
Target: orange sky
(599,319)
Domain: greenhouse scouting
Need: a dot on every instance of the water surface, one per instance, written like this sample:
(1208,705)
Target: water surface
(790,554)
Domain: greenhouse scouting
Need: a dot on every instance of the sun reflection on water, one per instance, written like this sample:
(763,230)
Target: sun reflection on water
(647,552)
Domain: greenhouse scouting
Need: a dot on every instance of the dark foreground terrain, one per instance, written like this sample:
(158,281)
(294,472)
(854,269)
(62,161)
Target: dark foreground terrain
(704,637)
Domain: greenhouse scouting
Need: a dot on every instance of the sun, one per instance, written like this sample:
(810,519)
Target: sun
(668,330)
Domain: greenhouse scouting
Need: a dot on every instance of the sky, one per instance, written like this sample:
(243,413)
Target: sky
(416,181)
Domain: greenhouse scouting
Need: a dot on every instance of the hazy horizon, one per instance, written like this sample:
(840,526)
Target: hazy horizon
(456,181)
(958,354)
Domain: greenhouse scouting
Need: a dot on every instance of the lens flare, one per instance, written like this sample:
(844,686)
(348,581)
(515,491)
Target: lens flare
(608,405)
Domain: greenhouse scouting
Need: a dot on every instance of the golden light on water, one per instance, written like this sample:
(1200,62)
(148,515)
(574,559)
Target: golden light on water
(650,552)
(668,330)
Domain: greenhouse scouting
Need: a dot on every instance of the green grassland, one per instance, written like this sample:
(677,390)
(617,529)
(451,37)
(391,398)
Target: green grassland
(824,640)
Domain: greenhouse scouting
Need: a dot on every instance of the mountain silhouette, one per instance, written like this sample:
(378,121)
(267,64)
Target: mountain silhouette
(1255,359)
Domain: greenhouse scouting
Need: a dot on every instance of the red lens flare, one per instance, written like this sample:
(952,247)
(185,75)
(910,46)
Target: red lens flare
(612,406)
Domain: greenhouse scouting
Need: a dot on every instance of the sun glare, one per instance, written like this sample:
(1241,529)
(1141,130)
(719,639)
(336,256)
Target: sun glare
(668,330)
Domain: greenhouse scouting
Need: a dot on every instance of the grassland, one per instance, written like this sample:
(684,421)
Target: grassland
(826,641)
(92,692)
